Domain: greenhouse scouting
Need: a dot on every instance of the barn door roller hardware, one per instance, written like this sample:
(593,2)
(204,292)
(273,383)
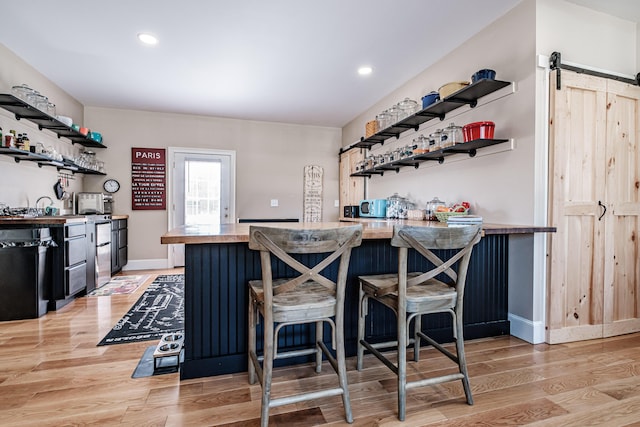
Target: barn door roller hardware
(555,63)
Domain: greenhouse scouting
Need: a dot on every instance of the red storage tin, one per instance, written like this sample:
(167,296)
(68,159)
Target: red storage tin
(478,130)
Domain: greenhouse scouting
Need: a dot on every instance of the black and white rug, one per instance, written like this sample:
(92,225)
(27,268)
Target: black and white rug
(158,311)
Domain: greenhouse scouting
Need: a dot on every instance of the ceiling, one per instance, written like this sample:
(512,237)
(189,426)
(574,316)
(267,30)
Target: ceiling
(291,61)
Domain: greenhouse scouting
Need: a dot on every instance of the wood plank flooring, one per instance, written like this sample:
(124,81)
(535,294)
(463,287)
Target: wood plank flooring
(52,374)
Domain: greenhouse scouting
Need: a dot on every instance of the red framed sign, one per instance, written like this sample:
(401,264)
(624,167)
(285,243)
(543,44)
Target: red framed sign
(148,179)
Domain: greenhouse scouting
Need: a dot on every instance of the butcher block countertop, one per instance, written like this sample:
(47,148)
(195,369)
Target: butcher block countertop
(372,229)
(57,220)
(42,220)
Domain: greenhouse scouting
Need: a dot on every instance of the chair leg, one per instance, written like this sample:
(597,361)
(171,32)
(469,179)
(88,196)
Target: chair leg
(402,363)
(267,371)
(417,326)
(252,340)
(462,362)
(342,372)
(318,349)
(362,317)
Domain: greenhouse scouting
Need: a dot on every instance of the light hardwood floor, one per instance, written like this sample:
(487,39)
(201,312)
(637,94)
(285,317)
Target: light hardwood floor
(52,374)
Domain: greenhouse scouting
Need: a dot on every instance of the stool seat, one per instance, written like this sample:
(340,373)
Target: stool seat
(431,295)
(309,299)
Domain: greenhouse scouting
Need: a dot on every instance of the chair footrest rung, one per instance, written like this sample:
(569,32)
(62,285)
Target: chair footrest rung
(305,396)
(436,380)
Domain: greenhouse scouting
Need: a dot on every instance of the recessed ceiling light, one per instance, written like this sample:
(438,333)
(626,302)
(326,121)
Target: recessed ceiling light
(365,71)
(147,38)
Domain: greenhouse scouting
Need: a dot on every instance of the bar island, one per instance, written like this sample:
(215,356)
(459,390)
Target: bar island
(218,265)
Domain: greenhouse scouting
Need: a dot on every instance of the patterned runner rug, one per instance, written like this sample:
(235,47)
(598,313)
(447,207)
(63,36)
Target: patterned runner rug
(120,285)
(158,311)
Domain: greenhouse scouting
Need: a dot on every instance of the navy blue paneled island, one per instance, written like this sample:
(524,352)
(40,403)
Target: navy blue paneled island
(218,265)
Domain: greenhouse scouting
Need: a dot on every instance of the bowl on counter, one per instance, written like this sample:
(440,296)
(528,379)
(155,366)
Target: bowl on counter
(452,87)
(483,74)
(478,130)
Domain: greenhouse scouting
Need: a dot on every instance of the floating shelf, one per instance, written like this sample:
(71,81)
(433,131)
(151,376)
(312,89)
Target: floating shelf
(469,148)
(22,110)
(42,160)
(468,95)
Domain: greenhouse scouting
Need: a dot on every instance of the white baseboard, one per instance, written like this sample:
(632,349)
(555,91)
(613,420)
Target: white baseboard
(525,329)
(146,264)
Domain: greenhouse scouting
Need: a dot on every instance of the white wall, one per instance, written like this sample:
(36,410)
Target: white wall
(499,186)
(270,161)
(586,36)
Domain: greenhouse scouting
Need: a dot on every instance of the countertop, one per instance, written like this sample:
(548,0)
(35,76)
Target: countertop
(372,229)
(49,220)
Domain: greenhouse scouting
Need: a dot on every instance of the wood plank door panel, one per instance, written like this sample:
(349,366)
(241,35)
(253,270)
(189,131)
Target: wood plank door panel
(577,132)
(351,189)
(622,258)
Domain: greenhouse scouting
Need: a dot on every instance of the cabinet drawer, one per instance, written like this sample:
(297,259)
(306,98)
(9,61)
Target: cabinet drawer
(75,230)
(76,251)
(122,238)
(76,279)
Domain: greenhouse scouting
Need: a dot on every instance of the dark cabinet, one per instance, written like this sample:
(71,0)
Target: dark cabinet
(119,255)
(69,264)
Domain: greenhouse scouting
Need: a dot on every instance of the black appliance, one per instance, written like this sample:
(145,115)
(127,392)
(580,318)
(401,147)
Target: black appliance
(352,211)
(23,262)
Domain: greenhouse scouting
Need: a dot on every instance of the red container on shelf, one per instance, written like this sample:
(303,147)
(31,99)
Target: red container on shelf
(478,130)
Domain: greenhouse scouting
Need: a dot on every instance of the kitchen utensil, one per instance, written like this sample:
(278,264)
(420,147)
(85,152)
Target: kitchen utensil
(430,98)
(483,74)
(58,190)
(450,88)
(478,130)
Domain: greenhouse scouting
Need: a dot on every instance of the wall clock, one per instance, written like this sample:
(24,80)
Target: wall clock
(111,186)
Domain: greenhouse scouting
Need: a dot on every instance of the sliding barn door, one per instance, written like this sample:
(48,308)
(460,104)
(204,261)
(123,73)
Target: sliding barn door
(594,267)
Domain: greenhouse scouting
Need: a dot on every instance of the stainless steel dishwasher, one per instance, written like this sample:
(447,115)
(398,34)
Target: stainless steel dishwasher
(103,252)
(98,250)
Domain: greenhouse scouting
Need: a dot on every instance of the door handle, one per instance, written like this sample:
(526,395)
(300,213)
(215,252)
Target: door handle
(604,210)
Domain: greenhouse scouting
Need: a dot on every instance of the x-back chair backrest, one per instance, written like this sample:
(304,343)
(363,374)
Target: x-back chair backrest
(426,239)
(336,242)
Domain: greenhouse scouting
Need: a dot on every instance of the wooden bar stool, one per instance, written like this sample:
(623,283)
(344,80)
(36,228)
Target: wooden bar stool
(410,295)
(307,298)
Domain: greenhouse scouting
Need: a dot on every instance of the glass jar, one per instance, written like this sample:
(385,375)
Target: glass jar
(407,107)
(42,103)
(21,91)
(51,109)
(422,145)
(432,206)
(383,120)
(436,137)
(393,205)
(454,134)
(394,113)
(389,156)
